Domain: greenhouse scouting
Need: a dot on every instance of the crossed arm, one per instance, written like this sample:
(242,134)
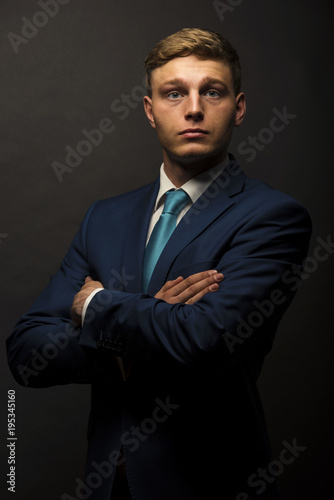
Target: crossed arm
(186,291)
(180,290)
(186,320)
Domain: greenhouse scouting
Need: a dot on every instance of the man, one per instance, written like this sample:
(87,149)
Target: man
(174,349)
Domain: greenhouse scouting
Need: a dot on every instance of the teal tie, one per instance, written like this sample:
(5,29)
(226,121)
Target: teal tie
(175,202)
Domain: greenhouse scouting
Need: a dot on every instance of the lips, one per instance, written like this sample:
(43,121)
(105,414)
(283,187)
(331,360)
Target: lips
(193,133)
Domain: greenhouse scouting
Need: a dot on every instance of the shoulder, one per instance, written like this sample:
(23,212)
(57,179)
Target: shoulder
(266,215)
(125,202)
(254,193)
(130,197)
(264,198)
(258,203)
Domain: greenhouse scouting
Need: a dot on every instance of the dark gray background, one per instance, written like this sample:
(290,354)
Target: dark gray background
(63,81)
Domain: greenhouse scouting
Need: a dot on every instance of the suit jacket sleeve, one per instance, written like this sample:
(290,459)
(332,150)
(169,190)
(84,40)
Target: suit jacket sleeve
(43,349)
(261,268)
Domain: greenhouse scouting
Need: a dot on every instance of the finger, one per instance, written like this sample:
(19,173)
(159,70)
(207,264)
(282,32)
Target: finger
(209,289)
(203,286)
(193,280)
(184,291)
(175,290)
(76,310)
(196,278)
(91,284)
(168,286)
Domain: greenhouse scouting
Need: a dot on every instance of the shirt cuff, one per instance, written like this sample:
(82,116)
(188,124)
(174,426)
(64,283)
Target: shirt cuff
(86,304)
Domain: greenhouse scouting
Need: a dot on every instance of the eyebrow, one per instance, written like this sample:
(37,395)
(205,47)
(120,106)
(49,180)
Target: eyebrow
(205,81)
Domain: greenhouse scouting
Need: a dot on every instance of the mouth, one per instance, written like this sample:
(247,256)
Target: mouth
(194,133)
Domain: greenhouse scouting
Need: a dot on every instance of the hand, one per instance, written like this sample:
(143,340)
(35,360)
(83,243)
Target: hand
(191,289)
(76,312)
(80,298)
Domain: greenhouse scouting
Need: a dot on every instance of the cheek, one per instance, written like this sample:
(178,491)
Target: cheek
(161,127)
(224,121)
(164,127)
(164,135)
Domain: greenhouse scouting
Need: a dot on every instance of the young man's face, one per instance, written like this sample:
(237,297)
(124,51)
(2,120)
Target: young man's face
(194,110)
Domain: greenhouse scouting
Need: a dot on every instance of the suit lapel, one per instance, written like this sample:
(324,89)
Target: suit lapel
(216,200)
(139,220)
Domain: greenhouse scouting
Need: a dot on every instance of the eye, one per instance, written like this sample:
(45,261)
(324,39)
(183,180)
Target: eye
(174,95)
(212,93)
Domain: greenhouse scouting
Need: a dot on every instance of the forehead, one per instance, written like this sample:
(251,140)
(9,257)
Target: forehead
(192,69)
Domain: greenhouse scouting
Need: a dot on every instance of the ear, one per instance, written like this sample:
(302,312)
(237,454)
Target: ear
(240,109)
(148,110)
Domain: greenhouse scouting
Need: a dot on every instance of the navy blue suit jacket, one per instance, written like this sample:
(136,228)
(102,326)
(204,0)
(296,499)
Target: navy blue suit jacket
(189,419)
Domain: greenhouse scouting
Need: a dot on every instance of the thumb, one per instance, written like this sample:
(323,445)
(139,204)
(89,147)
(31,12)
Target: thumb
(88,279)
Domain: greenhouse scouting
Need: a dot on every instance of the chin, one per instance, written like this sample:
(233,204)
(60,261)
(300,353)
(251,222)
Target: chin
(192,157)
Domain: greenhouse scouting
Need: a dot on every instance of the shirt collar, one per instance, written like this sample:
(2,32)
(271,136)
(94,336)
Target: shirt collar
(195,187)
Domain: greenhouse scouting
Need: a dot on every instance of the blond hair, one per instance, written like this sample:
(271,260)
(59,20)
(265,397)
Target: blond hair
(205,44)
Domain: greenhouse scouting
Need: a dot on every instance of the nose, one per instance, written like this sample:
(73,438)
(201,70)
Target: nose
(194,108)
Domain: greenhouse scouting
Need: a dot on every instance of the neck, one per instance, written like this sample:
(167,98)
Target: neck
(180,172)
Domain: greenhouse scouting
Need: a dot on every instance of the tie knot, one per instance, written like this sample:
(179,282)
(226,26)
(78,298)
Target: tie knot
(175,201)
